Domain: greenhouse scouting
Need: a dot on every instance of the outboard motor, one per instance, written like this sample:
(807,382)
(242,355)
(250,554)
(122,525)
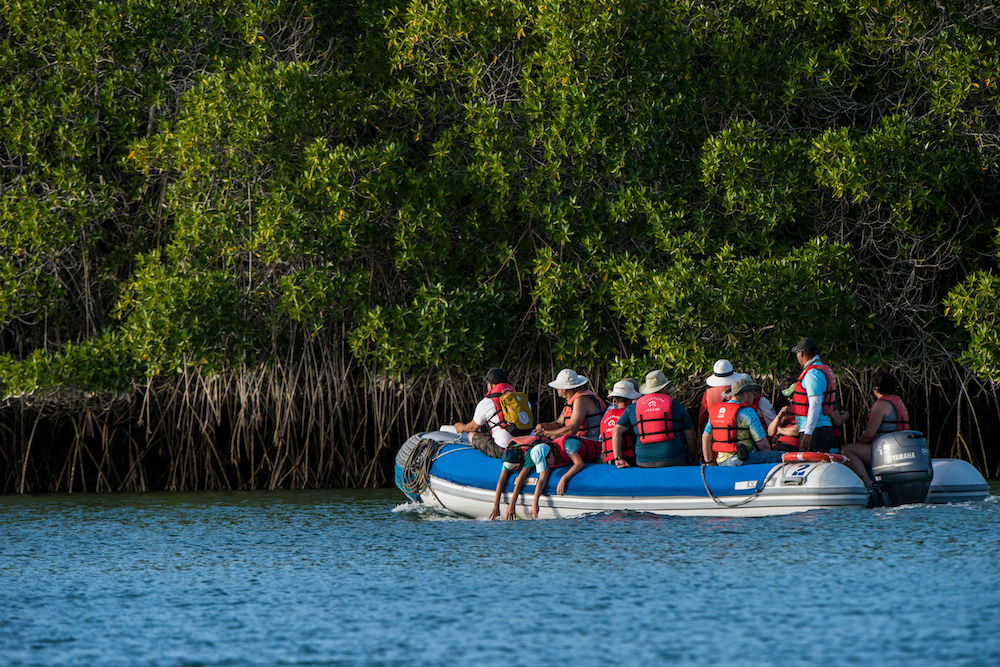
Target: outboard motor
(901,462)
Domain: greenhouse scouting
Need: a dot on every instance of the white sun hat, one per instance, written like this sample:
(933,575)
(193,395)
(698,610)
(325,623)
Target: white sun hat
(568,379)
(624,389)
(722,374)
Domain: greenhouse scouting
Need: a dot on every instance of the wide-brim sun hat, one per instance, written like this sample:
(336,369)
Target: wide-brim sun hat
(741,385)
(736,377)
(655,381)
(568,379)
(624,389)
(722,374)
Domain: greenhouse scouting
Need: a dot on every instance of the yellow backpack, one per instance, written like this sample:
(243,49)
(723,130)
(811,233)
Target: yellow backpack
(515,412)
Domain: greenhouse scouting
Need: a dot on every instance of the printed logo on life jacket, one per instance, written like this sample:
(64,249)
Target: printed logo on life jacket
(722,411)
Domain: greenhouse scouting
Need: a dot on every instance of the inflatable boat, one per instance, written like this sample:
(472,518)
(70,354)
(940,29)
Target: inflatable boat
(442,470)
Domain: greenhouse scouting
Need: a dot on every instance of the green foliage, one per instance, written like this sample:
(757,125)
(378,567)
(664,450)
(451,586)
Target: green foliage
(458,182)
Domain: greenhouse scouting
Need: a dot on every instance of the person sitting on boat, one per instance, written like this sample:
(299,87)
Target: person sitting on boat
(664,434)
(734,434)
(720,380)
(887,415)
(490,432)
(513,460)
(813,399)
(782,430)
(622,395)
(580,419)
(544,457)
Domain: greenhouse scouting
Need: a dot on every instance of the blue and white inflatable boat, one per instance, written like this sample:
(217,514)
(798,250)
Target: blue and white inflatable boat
(442,470)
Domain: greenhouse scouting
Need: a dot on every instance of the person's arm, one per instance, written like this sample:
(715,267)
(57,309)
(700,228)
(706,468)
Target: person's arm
(518,485)
(580,410)
(774,425)
(875,417)
(501,483)
(543,479)
(468,427)
(690,442)
(575,468)
(617,436)
(706,445)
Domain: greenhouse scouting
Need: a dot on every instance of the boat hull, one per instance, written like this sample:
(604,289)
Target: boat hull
(462,480)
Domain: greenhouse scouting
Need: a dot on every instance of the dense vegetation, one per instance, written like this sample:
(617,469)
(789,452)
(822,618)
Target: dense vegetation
(429,188)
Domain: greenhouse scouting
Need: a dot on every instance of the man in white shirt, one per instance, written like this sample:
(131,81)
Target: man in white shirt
(487,433)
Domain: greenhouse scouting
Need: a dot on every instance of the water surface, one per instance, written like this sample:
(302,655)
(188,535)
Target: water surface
(335,577)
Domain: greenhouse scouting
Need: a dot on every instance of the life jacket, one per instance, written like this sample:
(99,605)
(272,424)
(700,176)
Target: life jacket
(590,450)
(608,423)
(902,420)
(591,426)
(711,396)
(725,432)
(655,420)
(790,442)
(799,401)
(513,411)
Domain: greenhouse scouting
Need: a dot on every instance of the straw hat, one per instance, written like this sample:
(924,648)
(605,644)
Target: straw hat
(568,379)
(655,381)
(624,389)
(722,374)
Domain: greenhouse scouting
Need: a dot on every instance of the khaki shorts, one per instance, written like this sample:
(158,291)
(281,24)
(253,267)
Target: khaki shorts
(484,443)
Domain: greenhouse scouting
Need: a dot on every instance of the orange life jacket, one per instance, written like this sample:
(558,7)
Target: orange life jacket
(608,423)
(591,426)
(799,403)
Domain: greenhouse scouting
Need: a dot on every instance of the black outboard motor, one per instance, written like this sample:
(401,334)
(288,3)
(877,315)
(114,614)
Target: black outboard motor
(901,462)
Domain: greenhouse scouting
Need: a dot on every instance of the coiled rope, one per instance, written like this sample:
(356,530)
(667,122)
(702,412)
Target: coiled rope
(416,466)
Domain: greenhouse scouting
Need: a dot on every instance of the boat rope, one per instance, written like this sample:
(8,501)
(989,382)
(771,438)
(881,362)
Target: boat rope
(416,464)
(760,489)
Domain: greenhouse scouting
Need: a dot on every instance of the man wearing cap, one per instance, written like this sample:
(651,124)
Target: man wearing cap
(719,381)
(734,434)
(622,394)
(813,399)
(487,428)
(664,435)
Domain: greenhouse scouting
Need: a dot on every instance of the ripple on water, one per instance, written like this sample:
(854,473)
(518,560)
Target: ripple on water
(320,577)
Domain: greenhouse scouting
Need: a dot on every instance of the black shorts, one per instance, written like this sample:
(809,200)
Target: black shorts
(822,440)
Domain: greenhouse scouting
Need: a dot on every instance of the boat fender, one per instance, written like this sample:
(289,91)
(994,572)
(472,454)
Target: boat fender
(812,457)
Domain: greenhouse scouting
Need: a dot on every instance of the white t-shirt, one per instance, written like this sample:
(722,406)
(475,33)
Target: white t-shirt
(486,412)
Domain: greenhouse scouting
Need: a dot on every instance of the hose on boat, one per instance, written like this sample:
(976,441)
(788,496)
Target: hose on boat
(760,489)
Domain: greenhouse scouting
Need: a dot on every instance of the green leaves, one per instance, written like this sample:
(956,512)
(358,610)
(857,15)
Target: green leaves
(460,182)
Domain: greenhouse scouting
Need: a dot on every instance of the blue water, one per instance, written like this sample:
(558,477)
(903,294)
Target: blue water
(325,577)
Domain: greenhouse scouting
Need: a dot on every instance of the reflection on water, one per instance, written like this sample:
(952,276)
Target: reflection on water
(363,576)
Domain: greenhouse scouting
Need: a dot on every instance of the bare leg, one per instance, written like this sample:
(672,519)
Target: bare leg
(859,457)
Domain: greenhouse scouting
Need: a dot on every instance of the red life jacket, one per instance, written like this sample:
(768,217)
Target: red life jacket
(608,424)
(799,403)
(591,426)
(654,418)
(787,440)
(590,450)
(722,417)
(498,389)
(711,396)
(902,421)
